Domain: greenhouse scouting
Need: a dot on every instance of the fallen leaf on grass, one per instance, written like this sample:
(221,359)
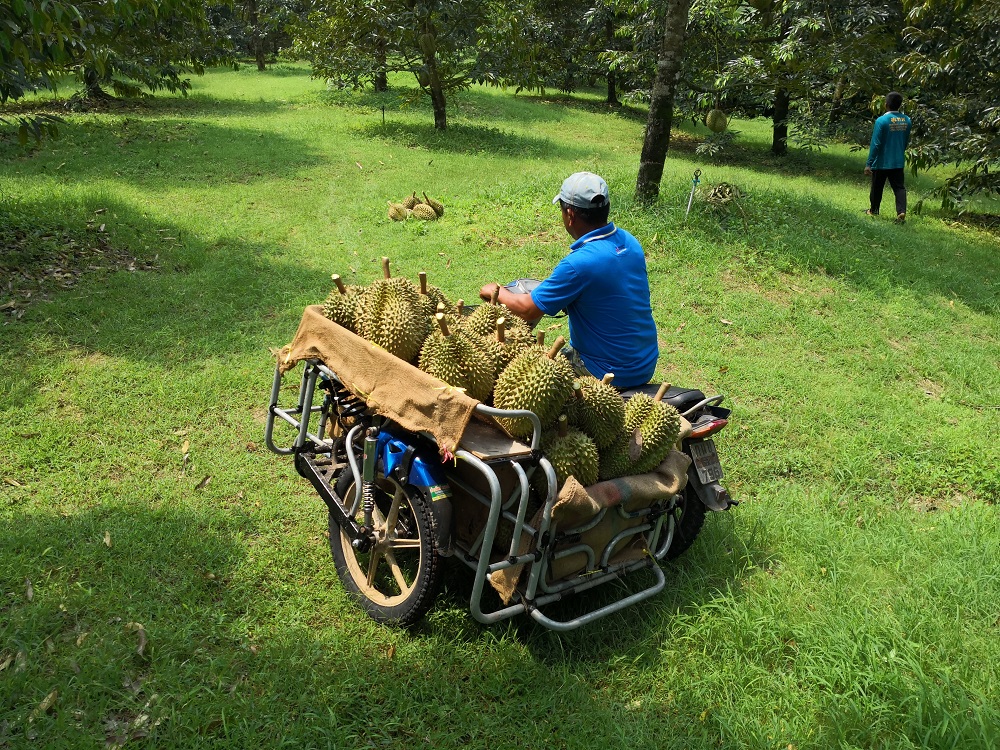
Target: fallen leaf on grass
(186,447)
(359,165)
(107,539)
(12,482)
(49,645)
(203,483)
(29,590)
(251,447)
(20,661)
(391,652)
(180,432)
(44,707)
(137,627)
(6,661)
(725,322)
(81,638)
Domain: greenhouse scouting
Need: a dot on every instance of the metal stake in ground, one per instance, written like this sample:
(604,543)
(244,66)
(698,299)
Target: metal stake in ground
(694,186)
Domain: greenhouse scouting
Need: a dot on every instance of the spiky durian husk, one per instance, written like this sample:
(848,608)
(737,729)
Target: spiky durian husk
(425,212)
(534,382)
(437,205)
(483,321)
(397,211)
(344,308)
(410,201)
(572,454)
(457,361)
(392,316)
(659,432)
(600,413)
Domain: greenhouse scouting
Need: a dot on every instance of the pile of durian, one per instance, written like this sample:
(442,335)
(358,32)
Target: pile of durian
(428,209)
(589,431)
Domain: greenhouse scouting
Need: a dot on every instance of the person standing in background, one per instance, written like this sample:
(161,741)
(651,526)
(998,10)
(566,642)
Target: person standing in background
(890,136)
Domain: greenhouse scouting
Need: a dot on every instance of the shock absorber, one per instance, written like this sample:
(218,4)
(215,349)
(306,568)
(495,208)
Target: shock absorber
(368,466)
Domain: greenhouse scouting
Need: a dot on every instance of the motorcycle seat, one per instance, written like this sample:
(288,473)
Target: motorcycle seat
(681,399)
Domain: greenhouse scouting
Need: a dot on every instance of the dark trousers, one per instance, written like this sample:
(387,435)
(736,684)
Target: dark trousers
(895,178)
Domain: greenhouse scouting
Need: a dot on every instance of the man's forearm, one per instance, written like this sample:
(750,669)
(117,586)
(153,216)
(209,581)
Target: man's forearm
(520,304)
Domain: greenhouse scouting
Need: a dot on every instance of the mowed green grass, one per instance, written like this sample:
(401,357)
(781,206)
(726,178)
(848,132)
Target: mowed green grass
(852,600)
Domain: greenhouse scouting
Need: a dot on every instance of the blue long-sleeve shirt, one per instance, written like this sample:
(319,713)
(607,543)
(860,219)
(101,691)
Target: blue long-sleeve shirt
(890,137)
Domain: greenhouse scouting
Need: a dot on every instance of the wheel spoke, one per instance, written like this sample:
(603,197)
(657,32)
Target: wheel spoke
(398,543)
(397,573)
(373,565)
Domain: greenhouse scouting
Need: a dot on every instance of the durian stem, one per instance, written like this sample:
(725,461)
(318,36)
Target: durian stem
(556,346)
(661,391)
(385,267)
(423,282)
(496,295)
(578,389)
(608,377)
(563,425)
(442,325)
(540,338)
(501,322)
(441,308)
(339,282)
(460,307)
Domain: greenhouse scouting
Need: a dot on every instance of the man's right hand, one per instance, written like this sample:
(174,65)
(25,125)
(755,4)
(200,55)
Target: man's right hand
(486,293)
(868,170)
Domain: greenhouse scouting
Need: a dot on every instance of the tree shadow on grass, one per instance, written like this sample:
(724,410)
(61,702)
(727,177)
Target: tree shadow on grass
(462,138)
(162,153)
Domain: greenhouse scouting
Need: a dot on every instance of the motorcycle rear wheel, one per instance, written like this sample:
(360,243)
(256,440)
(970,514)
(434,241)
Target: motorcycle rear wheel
(689,517)
(396,581)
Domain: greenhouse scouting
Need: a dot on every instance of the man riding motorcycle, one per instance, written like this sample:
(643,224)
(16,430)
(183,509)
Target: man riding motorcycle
(602,285)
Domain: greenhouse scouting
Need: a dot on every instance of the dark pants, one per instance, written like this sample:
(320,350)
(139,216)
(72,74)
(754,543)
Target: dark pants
(895,178)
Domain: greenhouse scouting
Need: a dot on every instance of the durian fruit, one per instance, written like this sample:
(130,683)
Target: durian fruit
(427,43)
(571,452)
(397,211)
(716,121)
(597,409)
(651,429)
(455,359)
(431,296)
(392,316)
(483,321)
(425,212)
(343,304)
(501,349)
(411,200)
(437,205)
(535,381)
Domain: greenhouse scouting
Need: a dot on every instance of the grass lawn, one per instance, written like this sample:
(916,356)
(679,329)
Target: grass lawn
(165,580)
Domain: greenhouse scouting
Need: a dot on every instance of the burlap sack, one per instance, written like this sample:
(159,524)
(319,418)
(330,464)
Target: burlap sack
(576,505)
(391,387)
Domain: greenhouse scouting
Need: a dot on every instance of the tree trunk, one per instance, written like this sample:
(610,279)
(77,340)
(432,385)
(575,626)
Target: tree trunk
(837,107)
(257,42)
(381,81)
(661,105)
(779,144)
(609,29)
(92,85)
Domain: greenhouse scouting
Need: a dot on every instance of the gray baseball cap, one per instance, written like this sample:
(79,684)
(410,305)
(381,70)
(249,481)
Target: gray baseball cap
(584,190)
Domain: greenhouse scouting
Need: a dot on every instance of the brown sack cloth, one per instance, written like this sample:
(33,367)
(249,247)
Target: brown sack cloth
(576,505)
(391,387)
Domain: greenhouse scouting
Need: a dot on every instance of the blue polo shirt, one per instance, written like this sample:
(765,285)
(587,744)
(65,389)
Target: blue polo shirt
(890,136)
(603,286)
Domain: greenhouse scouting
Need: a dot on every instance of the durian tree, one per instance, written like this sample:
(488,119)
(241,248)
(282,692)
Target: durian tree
(445,44)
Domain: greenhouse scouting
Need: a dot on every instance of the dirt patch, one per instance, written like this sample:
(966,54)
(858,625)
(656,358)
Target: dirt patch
(36,265)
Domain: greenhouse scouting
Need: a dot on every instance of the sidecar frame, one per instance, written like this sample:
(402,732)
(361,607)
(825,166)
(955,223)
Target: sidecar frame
(496,476)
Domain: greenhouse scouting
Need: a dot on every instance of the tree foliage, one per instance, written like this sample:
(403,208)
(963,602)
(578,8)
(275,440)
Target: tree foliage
(950,67)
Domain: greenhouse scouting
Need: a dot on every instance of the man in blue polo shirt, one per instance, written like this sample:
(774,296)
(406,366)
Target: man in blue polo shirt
(890,136)
(602,285)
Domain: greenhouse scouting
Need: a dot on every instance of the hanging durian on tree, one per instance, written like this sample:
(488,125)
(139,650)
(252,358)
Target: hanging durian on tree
(716,121)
